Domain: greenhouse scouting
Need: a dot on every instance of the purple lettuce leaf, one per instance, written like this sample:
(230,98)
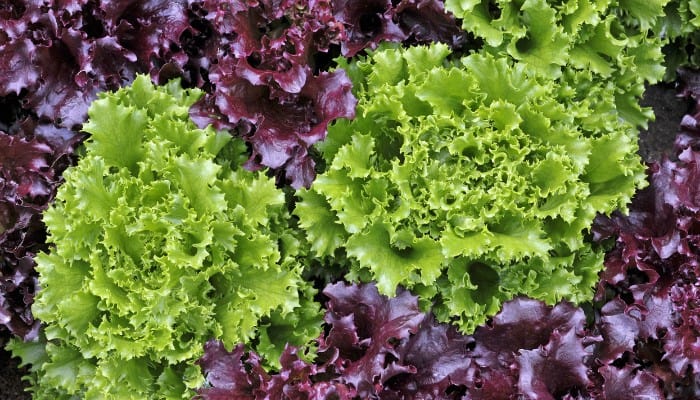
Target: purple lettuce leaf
(648,293)
(152,30)
(366,330)
(284,127)
(273,44)
(18,284)
(379,347)
(234,374)
(682,341)
(555,369)
(16,63)
(16,49)
(239,375)
(438,353)
(59,55)
(689,88)
(533,349)
(25,175)
(426,21)
(628,383)
(367,23)
(26,186)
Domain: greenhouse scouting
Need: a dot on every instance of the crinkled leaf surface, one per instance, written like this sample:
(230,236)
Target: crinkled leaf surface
(648,290)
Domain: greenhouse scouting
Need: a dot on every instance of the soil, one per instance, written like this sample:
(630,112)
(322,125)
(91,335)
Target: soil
(654,143)
(11,385)
(657,140)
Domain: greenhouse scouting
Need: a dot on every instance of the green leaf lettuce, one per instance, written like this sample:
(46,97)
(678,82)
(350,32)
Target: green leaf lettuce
(468,181)
(161,243)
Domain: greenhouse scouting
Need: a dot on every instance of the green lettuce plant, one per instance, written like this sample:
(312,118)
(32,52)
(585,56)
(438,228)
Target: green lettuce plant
(469,181)
(161,242)
(615,42)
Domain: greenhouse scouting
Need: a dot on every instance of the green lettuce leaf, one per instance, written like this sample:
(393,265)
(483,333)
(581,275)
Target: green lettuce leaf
(680,25)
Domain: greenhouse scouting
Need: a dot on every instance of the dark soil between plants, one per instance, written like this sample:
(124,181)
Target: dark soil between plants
(654,143)
(11,385)
(669,110)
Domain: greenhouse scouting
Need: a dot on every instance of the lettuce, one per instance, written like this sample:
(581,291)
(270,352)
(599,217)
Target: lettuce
(266,64)
(33,157)
(468,182)
(648,293)
(619,43)
(379,347)
(369,23)
(55,57)
(261,63)
(161,242)
(26,185)
(59,55)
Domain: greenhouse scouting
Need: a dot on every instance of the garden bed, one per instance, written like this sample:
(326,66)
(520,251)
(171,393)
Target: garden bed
(654,143)
(424,174)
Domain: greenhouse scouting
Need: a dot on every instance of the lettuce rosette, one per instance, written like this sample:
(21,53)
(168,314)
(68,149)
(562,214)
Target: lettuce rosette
(161,241)
(468,181)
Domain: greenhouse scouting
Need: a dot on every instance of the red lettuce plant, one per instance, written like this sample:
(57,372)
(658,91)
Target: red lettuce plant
(376,347)
(25,184)
(649,291)
(59,55)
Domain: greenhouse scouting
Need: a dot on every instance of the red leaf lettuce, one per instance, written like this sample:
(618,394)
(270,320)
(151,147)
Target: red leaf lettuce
(376,347)
(649,318)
